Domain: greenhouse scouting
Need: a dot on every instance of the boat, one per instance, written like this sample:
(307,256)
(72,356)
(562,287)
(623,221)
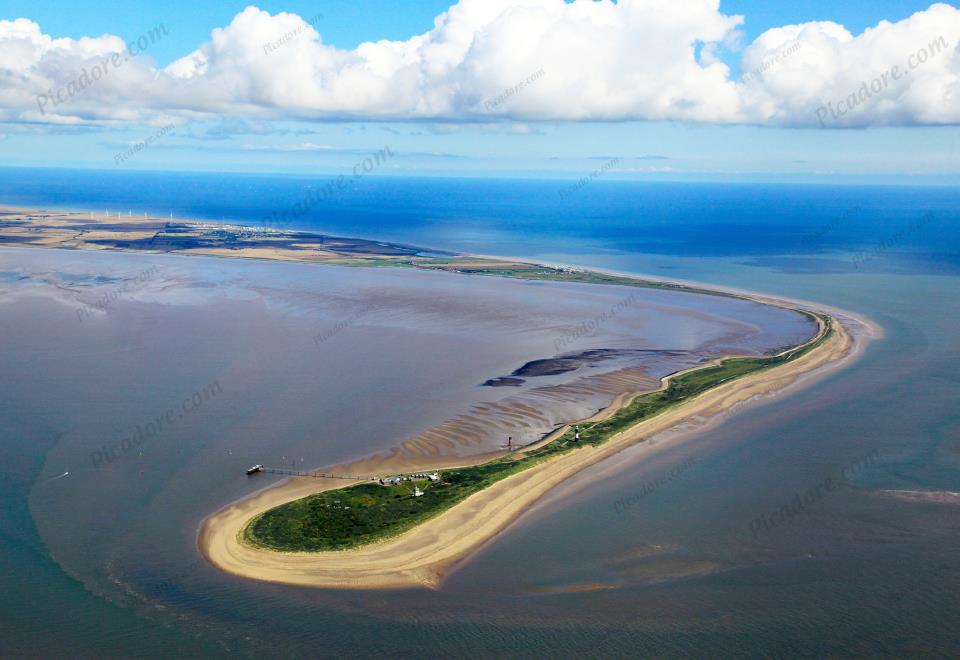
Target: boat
(256,468)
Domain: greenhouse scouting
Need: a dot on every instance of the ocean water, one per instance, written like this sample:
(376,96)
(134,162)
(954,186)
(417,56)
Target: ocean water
(608,223)
(662,552)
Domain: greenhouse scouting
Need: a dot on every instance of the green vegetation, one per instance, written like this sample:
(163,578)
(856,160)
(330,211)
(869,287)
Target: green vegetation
(364,513)
(538,272)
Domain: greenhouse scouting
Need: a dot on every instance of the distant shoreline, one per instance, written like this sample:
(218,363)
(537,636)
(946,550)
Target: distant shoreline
(88,230)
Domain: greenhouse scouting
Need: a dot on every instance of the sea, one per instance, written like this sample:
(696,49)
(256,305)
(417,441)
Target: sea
(820,524)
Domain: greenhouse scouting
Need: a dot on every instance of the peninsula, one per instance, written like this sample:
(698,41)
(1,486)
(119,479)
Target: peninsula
(412,529)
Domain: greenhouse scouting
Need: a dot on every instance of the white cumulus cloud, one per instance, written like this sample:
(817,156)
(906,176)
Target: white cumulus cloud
(826,65)
(630,60)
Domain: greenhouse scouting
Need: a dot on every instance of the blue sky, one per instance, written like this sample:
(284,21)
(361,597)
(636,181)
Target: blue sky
(445,145)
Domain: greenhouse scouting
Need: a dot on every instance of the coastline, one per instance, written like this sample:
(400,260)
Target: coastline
(423,555)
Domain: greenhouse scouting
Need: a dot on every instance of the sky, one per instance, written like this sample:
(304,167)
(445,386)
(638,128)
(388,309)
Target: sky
(638,89)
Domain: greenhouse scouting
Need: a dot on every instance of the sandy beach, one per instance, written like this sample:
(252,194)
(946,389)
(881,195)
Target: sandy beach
(423,556)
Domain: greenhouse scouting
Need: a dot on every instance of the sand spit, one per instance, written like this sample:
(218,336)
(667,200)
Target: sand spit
(421,557)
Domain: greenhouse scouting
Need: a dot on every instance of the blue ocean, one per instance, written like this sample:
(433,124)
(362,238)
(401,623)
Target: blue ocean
(601,222)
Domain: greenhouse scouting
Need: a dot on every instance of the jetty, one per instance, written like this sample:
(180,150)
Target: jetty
(290,472)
